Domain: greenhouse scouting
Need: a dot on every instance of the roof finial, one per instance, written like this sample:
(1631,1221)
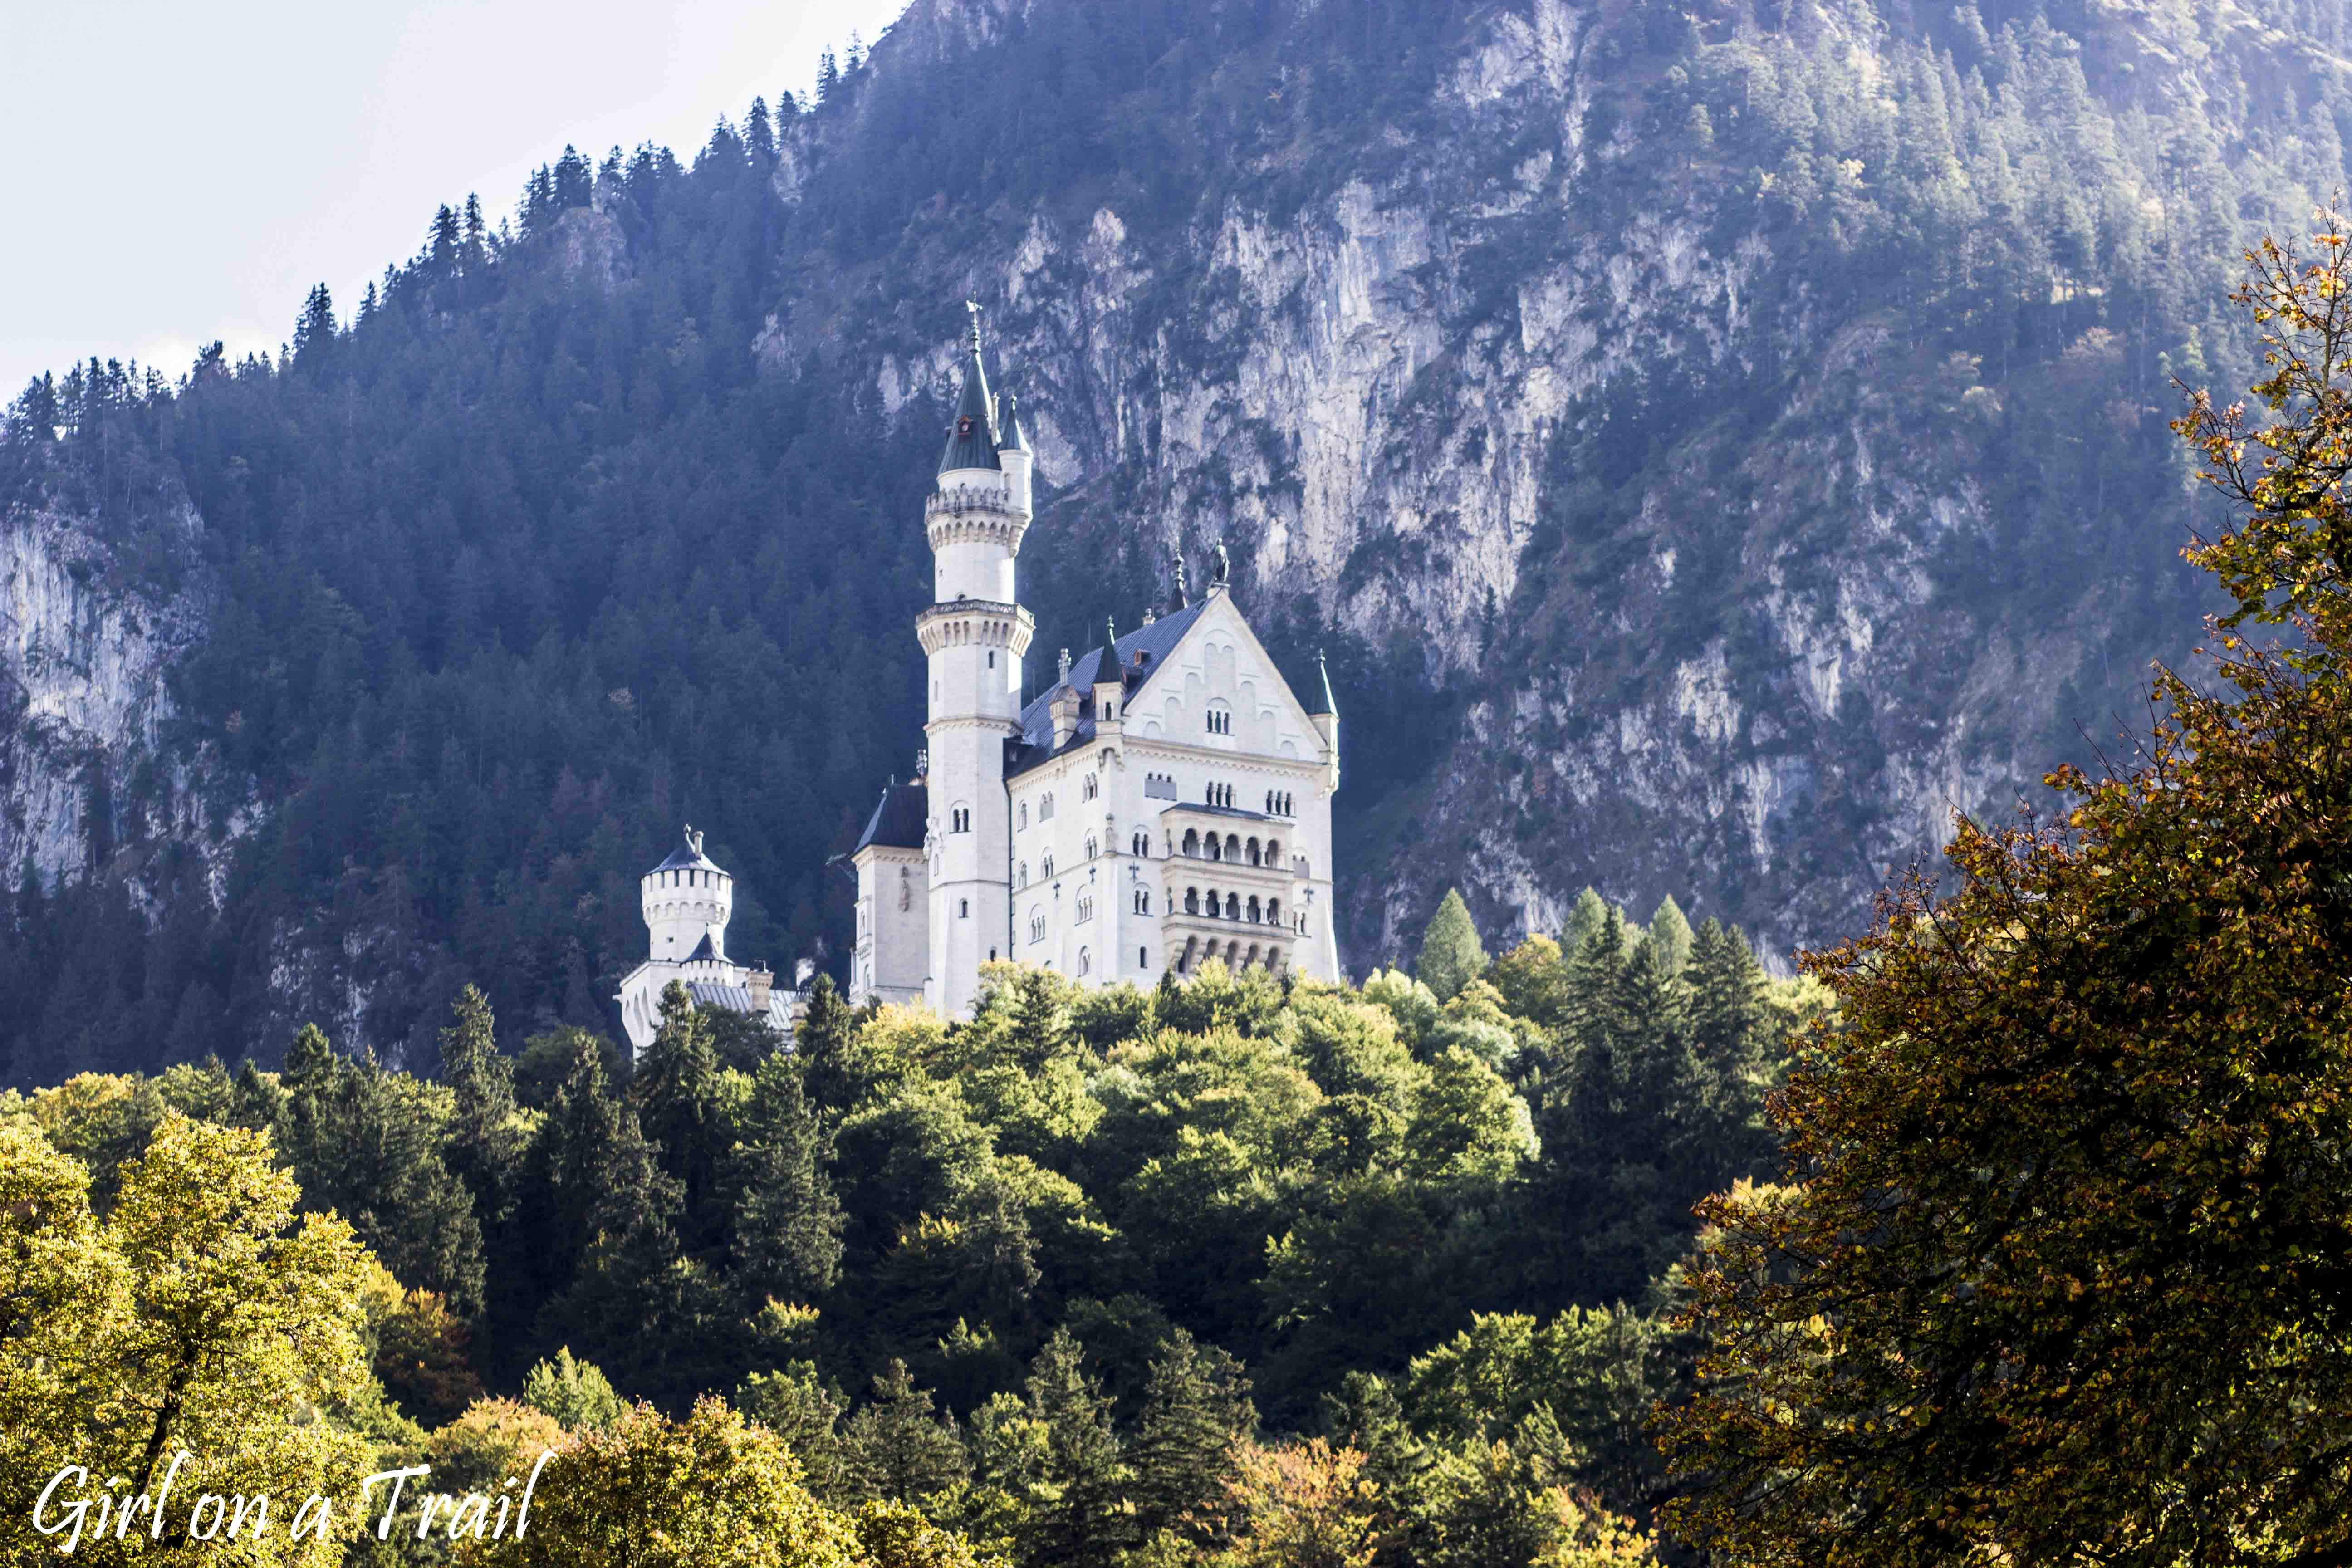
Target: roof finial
(1110,646)
(973,306)
(1066,664)
(693,840)
(1221,574)
(1183,597)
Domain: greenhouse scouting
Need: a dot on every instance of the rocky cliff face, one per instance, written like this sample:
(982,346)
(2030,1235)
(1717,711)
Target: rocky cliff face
(1556,406)
(84,697)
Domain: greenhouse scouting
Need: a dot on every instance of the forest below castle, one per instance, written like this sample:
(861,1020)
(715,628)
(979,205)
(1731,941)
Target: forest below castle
(1063,1278)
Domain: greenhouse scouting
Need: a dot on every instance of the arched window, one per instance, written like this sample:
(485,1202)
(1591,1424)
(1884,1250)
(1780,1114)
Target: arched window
(963,909)
(1141,845)
(1274,851)
(1191,900)
(1252,910)
(1048,872)
(1232,846)
(1045,808)
(1232,906)
(1089,789)
(1086,960)
(1021,875)
(1025,814)
(1274,911)
(1216,847)
(1092,849)
(1192,842)
(1036,925)
(959,820)
(1253,853)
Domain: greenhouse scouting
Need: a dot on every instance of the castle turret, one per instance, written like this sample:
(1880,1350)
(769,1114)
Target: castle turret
(973,635)
(1324,716)
(687,901)
(1015,456)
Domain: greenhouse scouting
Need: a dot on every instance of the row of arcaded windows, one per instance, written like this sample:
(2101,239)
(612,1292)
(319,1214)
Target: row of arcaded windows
(1232,846)
(1233,907)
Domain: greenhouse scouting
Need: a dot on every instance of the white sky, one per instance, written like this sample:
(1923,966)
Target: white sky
(179,171)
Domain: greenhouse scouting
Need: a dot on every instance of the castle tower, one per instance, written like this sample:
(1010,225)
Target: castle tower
(973,635)
(687,902)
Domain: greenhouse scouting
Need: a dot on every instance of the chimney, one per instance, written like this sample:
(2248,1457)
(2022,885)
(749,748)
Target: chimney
(762,982)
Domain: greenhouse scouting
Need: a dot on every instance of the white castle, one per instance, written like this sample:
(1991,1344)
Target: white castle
(687,902)
(1167,801)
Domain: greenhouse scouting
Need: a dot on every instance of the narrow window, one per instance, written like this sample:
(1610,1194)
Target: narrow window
(1142,958)
(963,909)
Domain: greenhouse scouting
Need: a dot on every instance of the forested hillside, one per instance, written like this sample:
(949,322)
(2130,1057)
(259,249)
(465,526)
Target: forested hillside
(1088,1278)
(1714,443)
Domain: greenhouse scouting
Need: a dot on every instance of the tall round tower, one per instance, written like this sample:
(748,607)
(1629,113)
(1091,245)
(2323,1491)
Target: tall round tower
(687,899)
(973,635)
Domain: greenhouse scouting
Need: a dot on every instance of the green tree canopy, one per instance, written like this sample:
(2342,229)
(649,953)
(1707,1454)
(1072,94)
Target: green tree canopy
(1450,956)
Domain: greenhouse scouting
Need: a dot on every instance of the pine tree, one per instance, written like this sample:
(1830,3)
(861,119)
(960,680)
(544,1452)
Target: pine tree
(787,1219)
(314,329)
(675,1092)
(1670,930)
(574,1392)
(639,1305)
(825,1040)
(1196,1409)
(1450,956)
(483,1147)
(1076,1517)
(1586,916)
(805,1413)
(829,77)
(896,1448)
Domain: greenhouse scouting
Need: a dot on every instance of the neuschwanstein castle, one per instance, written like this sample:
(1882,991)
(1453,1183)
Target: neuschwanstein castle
(1166,801)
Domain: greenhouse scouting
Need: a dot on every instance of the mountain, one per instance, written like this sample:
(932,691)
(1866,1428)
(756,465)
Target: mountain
(1713,444)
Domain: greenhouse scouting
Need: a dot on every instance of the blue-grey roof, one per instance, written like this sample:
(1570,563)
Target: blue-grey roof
(738,999)
(900,819)
(972,438)
(1323,676)
(1155,642)
(705,952)
(1016,439)
(688,857)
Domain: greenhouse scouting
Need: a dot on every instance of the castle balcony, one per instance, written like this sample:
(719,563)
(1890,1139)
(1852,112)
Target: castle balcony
(1190,941)
(1231,839)
(975,623)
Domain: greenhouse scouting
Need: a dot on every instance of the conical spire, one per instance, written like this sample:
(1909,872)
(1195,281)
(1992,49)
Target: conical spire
(972,439)
(1323,676)
(1016,439)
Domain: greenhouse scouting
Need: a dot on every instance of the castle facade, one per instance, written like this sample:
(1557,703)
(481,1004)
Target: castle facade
(1165,801)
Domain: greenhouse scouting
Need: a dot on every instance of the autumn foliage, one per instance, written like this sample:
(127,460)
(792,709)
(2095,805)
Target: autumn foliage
(2060,1270)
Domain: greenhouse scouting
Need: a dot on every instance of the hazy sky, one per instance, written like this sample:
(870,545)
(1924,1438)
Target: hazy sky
(180,171)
